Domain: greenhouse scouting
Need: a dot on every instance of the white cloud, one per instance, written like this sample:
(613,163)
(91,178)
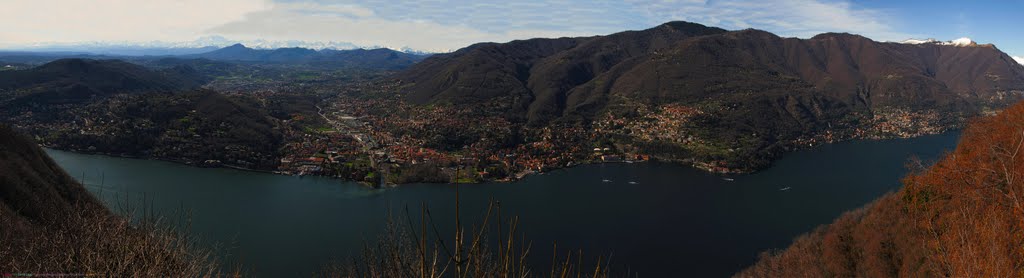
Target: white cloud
(33,21)
(361,26)
(1019,59)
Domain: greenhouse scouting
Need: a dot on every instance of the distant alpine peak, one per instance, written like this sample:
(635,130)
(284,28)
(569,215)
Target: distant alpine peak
(965,41)
(214,41)
(961,42)
(917,41)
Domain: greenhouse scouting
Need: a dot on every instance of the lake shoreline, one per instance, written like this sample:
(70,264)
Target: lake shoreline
(702,166)
(164,159)
(661,216)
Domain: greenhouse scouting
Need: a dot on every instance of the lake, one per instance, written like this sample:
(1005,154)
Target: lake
(670,221)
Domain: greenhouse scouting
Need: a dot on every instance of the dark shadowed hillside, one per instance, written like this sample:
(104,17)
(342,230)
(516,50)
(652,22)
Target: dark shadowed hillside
(690,63)
(736,99)
(190,127)
(482,71)
(49,223)
(118,108)
(536,73)
(77,80)
(851,69)
(33,189)
(380,58)
(963,217)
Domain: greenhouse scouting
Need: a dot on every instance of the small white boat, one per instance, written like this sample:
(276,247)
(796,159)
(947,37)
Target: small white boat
(728,179)
(606,180)
(633,182)
(784,188)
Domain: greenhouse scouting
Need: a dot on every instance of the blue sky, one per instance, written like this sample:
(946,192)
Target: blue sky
(436,25)
(998,22)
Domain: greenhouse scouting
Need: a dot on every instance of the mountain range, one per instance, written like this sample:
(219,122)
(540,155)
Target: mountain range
(200,45)
(381,58)
(754,94)
(683,62)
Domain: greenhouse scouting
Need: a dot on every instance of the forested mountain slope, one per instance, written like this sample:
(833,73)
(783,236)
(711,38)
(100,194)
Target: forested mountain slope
(77,80)
(681,62)
(730,100)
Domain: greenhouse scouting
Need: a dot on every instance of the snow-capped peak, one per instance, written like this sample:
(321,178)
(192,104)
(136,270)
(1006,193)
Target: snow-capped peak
(916,41)
(961,42)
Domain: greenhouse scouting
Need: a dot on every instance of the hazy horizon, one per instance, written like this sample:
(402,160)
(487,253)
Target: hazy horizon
(442,26)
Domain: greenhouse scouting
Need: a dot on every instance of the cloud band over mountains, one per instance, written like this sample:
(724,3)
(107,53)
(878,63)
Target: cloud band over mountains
(447,25)
(421,25)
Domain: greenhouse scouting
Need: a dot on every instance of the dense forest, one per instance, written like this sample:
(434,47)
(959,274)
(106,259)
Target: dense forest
(190,127)
(962,217)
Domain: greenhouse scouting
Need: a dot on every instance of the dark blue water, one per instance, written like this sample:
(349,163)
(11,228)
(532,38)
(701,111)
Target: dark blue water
(673,221)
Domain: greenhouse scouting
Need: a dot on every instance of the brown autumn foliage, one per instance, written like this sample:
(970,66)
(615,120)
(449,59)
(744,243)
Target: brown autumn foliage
(88,243)
(962,217)
(493,248)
